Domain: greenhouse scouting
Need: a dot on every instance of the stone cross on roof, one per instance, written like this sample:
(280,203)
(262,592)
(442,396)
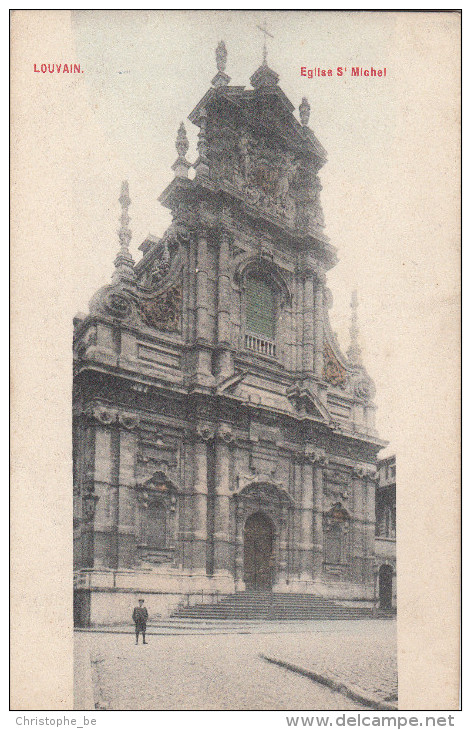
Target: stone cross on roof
(266,33)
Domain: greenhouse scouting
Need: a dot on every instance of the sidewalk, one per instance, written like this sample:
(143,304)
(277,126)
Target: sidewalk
(189,626)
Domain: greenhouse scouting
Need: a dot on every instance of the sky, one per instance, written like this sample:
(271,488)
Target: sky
(144,71)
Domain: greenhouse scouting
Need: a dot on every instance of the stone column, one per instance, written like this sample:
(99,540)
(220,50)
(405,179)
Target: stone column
(239,546)
(203,368)
(308,322)
(306,544)
(283,554)
(200,498)
(297,517)
(225,365)
(319,325)
(222,556)
(320,462)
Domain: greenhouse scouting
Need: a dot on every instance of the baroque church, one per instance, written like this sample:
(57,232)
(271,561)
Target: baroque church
(223,444)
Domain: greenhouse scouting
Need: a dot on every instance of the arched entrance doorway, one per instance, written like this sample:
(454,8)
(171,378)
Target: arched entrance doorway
(258,551)
(385,586)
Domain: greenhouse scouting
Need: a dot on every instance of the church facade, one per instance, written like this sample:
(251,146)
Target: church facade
(222,442)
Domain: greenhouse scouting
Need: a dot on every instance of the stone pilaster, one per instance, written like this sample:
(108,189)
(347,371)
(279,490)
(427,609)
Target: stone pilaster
(102,479)
(126,531)
(97,481)
(203,367)
(308,322)
(89,505)
(222,551)
(363,538)
(200,498)
(370,498)
(113,544)
(358,527)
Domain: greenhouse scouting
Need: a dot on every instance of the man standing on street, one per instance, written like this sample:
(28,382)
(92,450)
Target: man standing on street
(140,616)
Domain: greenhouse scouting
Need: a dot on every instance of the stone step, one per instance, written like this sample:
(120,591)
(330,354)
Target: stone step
(273,606)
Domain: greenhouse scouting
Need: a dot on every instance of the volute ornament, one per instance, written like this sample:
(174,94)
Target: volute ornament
(205,432)
(102,414)
(363,386)
(225,433)
(117,304)
(366,472)
(128,420)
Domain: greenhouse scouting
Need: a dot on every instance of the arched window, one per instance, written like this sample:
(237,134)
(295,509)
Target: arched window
(260,307)
(260,315)
(153,525)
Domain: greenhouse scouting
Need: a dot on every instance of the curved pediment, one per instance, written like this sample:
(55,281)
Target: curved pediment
(161,482)
(262,485)
(263,266)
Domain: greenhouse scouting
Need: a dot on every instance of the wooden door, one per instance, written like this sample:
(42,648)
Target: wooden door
(258,550)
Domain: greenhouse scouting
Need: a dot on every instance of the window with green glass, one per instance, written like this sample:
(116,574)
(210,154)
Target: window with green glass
(260,308)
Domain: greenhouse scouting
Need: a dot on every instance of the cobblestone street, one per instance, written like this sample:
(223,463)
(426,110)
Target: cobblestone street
(227,671)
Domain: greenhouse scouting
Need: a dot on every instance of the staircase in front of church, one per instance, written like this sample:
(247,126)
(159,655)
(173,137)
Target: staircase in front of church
(273,607)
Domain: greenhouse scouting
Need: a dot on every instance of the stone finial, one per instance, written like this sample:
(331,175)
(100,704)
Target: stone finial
(182,145)
(181,164)
(124,264)
(125,201)
(354,351)
(221,78)
(221,56)
(304,112)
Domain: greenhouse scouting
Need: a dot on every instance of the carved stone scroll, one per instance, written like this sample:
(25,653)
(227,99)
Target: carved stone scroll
(334,372)
(164,310)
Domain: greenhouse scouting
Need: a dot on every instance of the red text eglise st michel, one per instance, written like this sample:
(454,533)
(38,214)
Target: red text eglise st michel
(343,71)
